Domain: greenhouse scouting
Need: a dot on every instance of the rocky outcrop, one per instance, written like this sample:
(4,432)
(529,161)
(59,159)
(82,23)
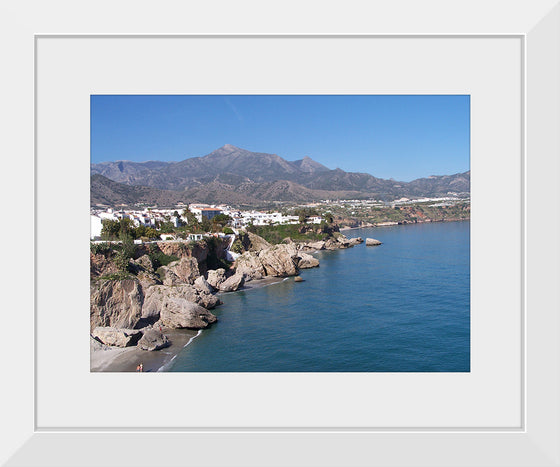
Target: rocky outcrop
(279,260)
(372,242)
(202,285)
(153,340)
(320,245)
(298,279)
(116,337)
(184,249)
(307,261)
(355,241)
(178,313)
(335,242)
(158,295)
(216,277)
(252,242)
(100,265)
(250,266)
(116,303)
(184,271)
(233,283)
(143,268)
(144,263)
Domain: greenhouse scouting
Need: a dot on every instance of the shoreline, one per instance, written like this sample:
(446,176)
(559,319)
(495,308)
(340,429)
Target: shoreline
(105,359)
(125,359)
(369,226)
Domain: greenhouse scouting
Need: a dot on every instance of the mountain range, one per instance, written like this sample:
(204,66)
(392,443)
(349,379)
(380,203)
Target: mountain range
(240,177)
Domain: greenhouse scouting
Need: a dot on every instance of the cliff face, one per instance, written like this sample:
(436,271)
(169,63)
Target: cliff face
(150,296)
(207,252)
(116,303)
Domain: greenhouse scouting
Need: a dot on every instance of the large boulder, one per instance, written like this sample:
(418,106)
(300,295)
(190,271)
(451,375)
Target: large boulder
(233,283)
(337,242)
(250,266)
(202,285)
(252,242)
(157,296)
(355,241)
(216,277)
(320,245)
(372,242)
(307,261)
(144,270)
(116,303)
(179,313)
(184,271)
(343,241)
(153,340)
(116,337)
(279,260)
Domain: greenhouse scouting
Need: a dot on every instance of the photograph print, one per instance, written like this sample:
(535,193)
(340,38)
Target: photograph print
(280,233)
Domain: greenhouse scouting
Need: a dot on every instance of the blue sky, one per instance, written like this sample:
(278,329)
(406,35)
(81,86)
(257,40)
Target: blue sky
(400,137)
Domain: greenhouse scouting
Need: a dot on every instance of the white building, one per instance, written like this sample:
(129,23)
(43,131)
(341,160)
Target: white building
(95,227)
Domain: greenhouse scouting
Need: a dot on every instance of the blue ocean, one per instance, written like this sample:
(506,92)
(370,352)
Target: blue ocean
(403,306)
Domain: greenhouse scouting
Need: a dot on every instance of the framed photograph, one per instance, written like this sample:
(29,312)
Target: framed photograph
(501,410)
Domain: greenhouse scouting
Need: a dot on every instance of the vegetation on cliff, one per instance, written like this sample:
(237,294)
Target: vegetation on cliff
(117,260)
(275,234)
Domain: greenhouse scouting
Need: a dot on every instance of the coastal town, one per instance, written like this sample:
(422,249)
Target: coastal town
(347,213)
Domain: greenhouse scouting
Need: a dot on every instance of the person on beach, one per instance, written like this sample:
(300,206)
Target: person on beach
(141,367)
(137,368)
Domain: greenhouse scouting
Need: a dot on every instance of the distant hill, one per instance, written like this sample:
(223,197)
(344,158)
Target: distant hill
(110,193)
(127,171)
(237,176)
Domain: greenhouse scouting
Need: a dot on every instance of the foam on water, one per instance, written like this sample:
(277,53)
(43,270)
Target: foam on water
(167,365)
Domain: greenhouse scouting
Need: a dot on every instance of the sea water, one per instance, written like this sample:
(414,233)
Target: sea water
(403,306)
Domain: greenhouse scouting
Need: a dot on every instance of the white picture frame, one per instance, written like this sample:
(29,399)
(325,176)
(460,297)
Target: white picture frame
(533,442)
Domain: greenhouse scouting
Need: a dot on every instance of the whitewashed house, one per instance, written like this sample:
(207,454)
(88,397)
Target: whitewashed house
(95,227)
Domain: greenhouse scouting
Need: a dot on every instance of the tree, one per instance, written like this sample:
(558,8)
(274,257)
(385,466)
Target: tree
(147,232)
(151,233)
(191,218)
(237,247)
(206,224)
(116,229)
(110,229)
(125,253)
(221,219)
(166,227)
(328,217)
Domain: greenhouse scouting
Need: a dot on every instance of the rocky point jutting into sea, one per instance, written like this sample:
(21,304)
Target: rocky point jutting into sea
(144,307)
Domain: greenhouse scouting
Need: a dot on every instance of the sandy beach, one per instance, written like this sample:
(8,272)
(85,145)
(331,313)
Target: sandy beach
(115,359)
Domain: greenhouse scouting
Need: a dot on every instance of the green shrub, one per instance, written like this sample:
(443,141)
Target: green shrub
(117,276)
(100,248)
(125,253)
(159,258)
(276,233)
(237,247)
